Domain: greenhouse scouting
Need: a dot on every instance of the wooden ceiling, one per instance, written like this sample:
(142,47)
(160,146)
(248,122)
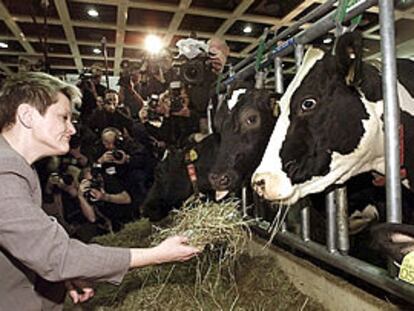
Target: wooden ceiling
(72,34)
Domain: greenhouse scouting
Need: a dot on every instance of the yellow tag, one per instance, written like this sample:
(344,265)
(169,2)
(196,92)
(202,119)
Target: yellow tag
(407,268)
(191,155)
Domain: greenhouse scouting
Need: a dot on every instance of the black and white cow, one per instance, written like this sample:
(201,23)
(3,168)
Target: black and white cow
(331,124)
(244,132)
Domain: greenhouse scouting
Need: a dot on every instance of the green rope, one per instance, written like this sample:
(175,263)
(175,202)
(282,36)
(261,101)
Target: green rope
(259,55)
(342,9)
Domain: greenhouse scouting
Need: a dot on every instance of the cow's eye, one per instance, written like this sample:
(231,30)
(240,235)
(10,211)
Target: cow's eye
(308,104)
(251,120)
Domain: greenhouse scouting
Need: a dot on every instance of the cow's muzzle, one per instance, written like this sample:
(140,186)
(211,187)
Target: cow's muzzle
(272,188)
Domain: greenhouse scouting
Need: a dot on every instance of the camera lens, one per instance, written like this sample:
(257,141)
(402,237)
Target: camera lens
(117,155)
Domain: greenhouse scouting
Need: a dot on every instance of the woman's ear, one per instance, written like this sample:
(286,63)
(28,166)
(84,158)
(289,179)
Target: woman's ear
(24,115)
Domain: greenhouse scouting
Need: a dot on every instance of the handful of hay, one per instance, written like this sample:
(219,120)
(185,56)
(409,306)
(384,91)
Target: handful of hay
(210,224)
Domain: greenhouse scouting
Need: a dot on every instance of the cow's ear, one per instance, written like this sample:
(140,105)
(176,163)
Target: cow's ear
(221,114)
(348,53)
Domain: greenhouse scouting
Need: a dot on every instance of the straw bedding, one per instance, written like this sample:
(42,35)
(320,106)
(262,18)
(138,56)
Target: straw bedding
(223,277)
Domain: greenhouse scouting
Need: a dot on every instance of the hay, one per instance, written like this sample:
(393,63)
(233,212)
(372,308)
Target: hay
(209,225)
(222,278)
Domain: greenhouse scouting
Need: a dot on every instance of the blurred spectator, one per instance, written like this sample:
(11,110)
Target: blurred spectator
(111,116)
(129,89)
(91,87)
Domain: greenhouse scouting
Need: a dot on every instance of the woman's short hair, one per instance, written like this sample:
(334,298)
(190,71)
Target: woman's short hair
(34,88)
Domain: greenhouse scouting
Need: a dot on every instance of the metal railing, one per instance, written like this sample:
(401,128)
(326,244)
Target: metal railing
(337,245)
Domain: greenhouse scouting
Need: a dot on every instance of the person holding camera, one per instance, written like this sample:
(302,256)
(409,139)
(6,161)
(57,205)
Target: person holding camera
(129,88)
(91,88)
(111,116)
(128,161)
(103,195)
(37,256)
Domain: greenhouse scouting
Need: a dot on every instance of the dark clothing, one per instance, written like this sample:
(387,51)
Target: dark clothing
(102,119)
(89,100)
(33,245)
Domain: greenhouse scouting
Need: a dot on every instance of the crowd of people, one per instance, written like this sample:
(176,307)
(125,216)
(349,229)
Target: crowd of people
(67,175)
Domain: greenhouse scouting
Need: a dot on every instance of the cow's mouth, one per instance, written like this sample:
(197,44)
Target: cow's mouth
(220,195)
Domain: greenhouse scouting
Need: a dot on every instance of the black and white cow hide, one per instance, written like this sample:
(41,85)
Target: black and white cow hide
(331,124)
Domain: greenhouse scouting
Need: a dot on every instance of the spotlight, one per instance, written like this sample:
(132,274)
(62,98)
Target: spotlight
(153,44)
(3,45)
(247,29)
(93,13)
(97,51)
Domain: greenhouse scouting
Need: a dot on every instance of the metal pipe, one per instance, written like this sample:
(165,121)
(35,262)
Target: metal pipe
(279,87)
(305,224)
(391,112)
(244,201)
(356,267)
(319,11)
(342,219)
(330,222)
(299,51)
(322,26)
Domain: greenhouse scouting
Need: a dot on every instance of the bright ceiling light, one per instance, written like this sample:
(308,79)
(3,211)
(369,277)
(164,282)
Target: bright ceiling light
(153,44)
(93,13)
(97,51)
(247,29)
(3,45)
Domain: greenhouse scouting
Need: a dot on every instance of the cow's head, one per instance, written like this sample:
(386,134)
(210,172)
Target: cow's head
(327,130)
(244,132)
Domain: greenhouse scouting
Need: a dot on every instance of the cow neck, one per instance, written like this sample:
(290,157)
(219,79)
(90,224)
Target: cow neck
(190,157)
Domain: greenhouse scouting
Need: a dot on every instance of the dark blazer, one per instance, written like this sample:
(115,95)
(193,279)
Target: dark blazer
(32,244)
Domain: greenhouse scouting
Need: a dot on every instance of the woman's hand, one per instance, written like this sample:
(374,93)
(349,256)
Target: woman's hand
(79,291)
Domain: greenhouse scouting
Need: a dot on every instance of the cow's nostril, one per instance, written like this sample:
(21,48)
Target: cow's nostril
(260,183)
(224,180)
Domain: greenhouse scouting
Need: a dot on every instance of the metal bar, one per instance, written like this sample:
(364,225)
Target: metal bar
(330,222)
(372,274)
(279,87)
(322,26)
(244,201)
(391,112)
(319,11)
(299,51)
(305,224)
(342,219)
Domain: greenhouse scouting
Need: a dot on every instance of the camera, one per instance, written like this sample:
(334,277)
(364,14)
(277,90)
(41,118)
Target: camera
(86,74)
(127,68)
(153,115)
(175,96)
(96,182)
(119,145)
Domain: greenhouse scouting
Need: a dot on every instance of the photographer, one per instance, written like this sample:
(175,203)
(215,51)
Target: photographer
(103,196)
(196,70)
(129,162)
(91,88)
(110,116)
(153,76)
(129,88)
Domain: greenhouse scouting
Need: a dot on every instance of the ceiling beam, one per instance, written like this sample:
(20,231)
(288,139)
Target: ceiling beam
(121,21)
(241,8)
(5,68)
(284,22)
(14,28)
(176,21)
(62,9)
